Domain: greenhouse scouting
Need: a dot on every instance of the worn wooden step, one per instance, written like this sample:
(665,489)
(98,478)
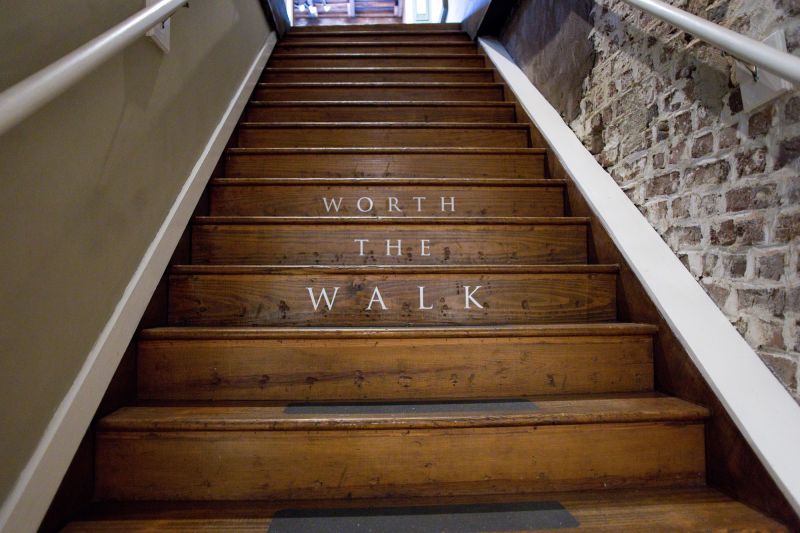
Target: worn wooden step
(335,364)
(689,510)
(381,134)
(338,35)
(372,111)
(379,74)
(413,28)
(340,60)
(354,92)
(358,451)
(482,163)
(382,46)
(212,295)
(376,197)
(389,241)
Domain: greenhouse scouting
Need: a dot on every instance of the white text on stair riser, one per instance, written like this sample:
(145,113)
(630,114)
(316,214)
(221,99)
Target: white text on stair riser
(376,300)
(365,204)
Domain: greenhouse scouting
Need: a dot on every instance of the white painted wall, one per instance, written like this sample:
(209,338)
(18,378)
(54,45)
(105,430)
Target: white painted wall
(458,10)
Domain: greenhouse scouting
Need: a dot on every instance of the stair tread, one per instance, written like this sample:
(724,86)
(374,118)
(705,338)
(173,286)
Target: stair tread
(385,125)
(324,55)
(441,220)
(310,270)
(532,330)
(357,181)
(382,84)
(389,150)
(377,69)
(421,33)
(376,103)
(274,416)
(299,42)
(644,510)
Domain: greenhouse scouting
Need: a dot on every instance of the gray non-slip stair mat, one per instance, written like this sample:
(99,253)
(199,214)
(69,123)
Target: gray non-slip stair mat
(476,518)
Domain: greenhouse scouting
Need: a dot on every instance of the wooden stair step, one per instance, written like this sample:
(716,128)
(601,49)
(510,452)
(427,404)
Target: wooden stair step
(217,295)
(285,452)
(377,74)
(689,510)
(354,92)
(374,111)
(428,59)
(340,240)
(372,197)
(338,35)
(336,364)
(381,134)
(303,416)
(482,163)
(375,47)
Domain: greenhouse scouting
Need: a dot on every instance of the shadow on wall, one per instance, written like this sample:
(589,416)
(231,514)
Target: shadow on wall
(549,40)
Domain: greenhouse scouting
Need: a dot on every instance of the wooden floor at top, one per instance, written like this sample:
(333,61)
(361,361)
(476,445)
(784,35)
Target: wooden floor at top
(685,510)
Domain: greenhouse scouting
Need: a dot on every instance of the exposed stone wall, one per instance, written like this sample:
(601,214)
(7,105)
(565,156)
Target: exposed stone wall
(720,185)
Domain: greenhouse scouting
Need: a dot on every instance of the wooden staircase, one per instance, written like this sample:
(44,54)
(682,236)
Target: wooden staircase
(389,307)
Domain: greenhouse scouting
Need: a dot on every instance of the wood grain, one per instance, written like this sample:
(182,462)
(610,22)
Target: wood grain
(375,60)
(257,465)
(380,368)
(275,296)
(382,46)
(212,422)
(262,198)
(691,510)
(616,409)
(352,92)
(500,163)
(371,74)
(372,111)
(240,241)
(386,134)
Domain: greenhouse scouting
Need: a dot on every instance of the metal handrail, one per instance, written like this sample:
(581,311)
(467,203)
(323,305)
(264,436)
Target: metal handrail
(26,97)
(782,64)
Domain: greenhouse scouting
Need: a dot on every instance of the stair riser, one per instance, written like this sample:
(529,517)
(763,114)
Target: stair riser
(296,137)
(376,463)
(336,244)
(377,60)
(284,93)
(387,165)
(474,76)
(379,113)
(359,37)
(392,369)
(310,200)
(284,299)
